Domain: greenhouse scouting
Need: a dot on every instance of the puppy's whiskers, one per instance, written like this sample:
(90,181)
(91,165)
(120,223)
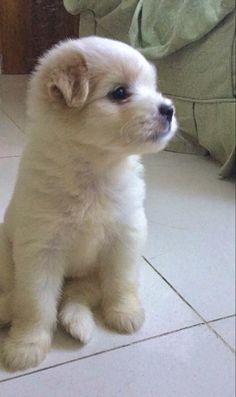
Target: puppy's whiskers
(131,130)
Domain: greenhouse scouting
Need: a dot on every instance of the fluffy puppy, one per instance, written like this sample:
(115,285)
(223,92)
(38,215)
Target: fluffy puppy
(75,226)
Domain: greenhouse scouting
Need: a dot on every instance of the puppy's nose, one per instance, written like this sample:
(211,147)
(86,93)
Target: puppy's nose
(166,111)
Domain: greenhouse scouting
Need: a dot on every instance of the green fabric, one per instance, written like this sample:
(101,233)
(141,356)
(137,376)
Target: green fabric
(192,43)
(100,8)
(163,27)
(113,17)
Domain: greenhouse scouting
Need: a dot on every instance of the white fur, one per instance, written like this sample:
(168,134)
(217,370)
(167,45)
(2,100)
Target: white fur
(76,215)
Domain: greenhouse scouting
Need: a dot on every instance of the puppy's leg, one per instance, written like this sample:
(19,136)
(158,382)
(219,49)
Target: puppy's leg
(38,279)
(79,296)
(6,278)
(119,279)
(5,309)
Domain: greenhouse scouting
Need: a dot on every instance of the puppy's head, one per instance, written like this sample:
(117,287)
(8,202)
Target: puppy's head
(104,93)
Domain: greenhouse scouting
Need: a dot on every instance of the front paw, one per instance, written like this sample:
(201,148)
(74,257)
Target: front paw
(21,351)
(77,319)
(125,317)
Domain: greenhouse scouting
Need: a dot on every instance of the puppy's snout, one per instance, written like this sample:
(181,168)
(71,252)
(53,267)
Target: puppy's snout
(166,111)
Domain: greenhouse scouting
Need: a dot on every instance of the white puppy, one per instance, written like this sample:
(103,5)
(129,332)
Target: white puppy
(74,229)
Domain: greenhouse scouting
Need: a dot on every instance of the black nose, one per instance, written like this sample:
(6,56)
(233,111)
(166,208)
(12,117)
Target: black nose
(166,111)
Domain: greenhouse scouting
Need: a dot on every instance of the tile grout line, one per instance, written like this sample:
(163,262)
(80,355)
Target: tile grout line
(222,318)
(189,304)
(103,351)
(13,121)
(10,157)
(115,348)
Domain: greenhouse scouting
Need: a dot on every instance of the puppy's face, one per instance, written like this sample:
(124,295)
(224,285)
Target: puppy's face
(107,92)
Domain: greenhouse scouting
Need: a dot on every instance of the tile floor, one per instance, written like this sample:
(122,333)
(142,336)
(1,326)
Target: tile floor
(186,346)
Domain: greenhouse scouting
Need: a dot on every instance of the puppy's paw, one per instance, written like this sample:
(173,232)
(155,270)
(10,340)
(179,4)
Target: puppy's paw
(21,351)
(124,317)
(5,309)
(77,319)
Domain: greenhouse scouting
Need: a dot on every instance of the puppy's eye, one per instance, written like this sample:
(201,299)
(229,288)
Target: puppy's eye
(119,94)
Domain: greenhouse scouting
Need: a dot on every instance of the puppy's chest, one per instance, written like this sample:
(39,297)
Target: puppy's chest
(97,208)
(93,218)
(102,200)
(94,204)
(94,209)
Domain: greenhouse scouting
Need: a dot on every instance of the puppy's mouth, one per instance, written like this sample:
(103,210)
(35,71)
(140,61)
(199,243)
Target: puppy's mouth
(157,134)
(149,131)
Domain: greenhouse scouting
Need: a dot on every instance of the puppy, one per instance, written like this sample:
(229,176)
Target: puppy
(75,227)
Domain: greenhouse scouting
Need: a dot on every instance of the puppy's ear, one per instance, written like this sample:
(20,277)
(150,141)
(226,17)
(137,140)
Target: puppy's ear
(68,81)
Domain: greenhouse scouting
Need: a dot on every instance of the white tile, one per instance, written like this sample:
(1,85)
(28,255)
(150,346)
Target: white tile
(185,192)
(188,363)
(8,172)
(164,312)
(191,230)
(203,272)
(12,97)
(226,328)
(12,140)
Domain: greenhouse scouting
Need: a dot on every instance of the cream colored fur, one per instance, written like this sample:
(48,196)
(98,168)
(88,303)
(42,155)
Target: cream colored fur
(75,227)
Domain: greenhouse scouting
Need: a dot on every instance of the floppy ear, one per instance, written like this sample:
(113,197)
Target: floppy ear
(68,81)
